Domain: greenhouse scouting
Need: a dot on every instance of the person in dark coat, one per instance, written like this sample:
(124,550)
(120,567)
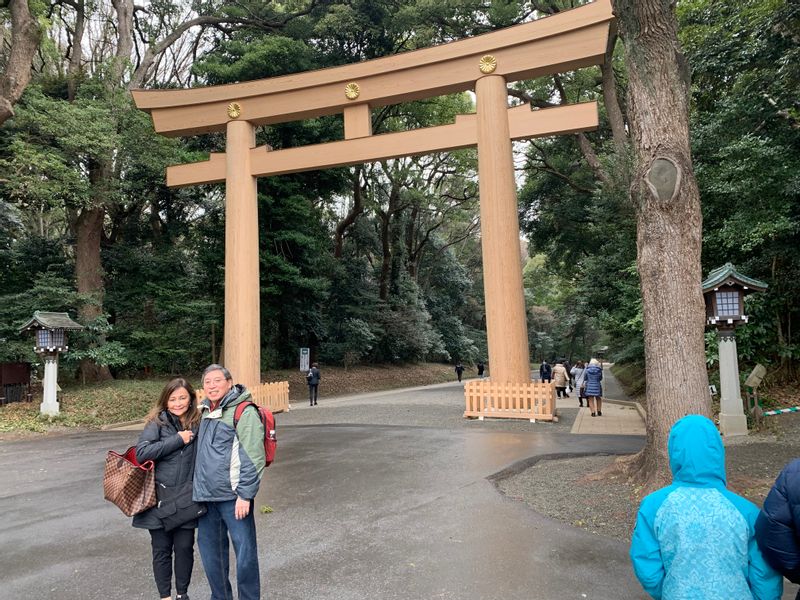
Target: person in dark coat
(459,370)
(777,525)
(481,367)
(168,440)
(594,388)
(313,378)
(545,371)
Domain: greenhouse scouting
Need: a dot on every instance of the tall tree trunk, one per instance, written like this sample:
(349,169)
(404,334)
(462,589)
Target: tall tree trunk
(25,36)
(89,276)
(669,226)
(76,50)
(386,254)
(615,117)
(352,214)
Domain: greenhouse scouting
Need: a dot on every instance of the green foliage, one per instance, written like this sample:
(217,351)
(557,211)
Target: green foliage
(406,281)
(48,292)
(746,145)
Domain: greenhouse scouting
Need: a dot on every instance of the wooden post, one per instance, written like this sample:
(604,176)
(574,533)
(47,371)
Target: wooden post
(242,303)
(506,325)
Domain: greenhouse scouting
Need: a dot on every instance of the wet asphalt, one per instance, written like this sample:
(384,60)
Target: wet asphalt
(359,511)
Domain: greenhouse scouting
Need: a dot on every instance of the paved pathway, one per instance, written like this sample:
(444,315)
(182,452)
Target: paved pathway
(619,418)
(383,496)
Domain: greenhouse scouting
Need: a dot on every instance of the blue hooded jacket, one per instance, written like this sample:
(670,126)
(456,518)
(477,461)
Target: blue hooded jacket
(777,525)
(694,539)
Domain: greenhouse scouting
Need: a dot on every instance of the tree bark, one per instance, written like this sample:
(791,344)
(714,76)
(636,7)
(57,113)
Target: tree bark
(89,276)
(386,254)
(352,215)
(25,36)
(76,50)
(615,116)
(669,226)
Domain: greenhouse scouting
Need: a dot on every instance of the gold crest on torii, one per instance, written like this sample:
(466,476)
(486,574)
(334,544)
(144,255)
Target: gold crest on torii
(486,63)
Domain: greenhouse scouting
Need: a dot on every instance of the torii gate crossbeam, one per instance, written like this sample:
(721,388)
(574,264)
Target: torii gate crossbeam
(563,42)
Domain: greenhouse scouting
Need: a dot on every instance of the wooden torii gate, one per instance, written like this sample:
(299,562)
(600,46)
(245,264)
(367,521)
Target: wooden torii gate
(486,63)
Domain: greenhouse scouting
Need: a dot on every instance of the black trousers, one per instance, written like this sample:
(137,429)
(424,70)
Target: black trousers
(179,542)
(312,392)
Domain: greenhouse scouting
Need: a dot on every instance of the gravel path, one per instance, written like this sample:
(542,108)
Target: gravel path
(560,489)
(563,489)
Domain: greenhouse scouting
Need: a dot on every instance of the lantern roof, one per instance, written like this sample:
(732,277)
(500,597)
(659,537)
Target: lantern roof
(727,274)
(50,320)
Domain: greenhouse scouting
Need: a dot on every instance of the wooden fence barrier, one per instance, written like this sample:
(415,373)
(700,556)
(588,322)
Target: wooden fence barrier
(274,395)
(534,400)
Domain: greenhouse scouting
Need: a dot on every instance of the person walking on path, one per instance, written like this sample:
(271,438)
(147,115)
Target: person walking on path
(594,389)
(695,538)
(560,380)
(230,463)
(778,528)
(459,370)
(168,440)
(578,372)
(481,367)
(313,378)
(545,371)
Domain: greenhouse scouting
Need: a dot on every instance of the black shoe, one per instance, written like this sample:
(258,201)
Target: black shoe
(594,414)
(182,597)
(599,413)
(580,404)
(315,403)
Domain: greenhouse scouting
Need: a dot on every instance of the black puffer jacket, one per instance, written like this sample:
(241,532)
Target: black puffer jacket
(777,531)
(174,461)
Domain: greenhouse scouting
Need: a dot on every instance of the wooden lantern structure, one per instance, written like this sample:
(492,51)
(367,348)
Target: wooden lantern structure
(724,291)
(51,339)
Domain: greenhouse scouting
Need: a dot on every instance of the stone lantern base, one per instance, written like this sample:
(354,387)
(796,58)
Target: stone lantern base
(732,420)
(49,405)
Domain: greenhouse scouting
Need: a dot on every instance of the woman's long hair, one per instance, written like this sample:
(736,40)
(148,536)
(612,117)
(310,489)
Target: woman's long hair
(191,418)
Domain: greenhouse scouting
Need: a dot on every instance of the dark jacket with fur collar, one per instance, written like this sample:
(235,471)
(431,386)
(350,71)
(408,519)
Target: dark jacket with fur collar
(174,460)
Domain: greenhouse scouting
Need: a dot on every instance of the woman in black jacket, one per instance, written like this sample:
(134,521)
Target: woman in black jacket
(167,440)
(777,531)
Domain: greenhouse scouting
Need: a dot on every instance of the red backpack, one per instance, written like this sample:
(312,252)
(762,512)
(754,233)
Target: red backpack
(268,421)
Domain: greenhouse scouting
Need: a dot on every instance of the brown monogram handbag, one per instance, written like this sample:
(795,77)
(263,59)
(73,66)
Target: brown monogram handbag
(128,484)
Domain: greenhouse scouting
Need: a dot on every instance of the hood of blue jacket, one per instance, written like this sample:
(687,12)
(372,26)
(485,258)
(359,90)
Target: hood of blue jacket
(696,453)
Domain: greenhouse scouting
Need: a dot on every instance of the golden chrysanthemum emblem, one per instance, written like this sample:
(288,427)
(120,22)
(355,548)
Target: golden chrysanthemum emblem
(352,90)
(487,64)
(234,110)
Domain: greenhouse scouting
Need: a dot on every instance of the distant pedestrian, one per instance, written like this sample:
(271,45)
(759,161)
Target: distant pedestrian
(695,539)
(568,367)
(579,381)
(561,380)
(313,378)
(545,372)
(594,389)
(459,370)
(778,528)
(481,367)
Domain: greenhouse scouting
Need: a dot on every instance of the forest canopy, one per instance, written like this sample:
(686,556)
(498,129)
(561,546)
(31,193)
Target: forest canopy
(377,263)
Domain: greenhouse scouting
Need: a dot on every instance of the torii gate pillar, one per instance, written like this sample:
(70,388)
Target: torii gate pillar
(506,325)
(242,283)
(566,41)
